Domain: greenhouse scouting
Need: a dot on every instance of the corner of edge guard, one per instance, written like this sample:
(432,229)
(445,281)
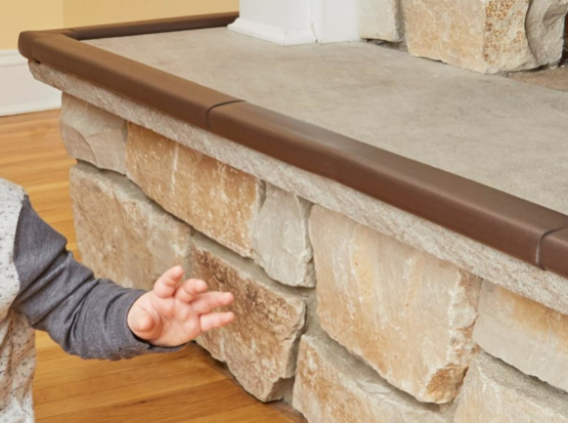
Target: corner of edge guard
(26,39)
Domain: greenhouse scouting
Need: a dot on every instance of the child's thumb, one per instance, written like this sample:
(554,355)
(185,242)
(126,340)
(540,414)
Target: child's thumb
(141,322)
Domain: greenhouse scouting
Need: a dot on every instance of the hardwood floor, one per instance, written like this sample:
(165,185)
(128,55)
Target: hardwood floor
(187,386)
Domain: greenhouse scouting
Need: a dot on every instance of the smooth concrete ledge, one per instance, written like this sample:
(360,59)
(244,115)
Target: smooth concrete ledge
(500,133)
(500,268)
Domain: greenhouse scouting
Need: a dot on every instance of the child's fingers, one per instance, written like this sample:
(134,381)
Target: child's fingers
(165,286)
(215,320)
(190,289)
(204,303)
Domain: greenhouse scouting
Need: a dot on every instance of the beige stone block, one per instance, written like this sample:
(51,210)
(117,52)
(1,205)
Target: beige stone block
(524,334)
(406,313)
(216,199)
(333,387)
(122,235)
(381,20)
(260,346)
(487,36)
(496,393)
(93,135)
(281,242)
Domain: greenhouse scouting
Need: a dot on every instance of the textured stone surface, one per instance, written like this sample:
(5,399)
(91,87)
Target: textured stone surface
(218,200)
(93,135)
(495,392)
(281,242)
(260,346)
(523,333)
(333,387)
(381,20)
(487,36)
(407,314)
(527,280)
(121,234)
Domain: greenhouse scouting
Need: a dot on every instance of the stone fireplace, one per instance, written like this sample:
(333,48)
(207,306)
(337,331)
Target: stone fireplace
(339,319)
(349,307)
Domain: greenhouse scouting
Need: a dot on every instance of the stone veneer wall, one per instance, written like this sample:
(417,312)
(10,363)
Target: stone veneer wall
(488,36)
(343,322)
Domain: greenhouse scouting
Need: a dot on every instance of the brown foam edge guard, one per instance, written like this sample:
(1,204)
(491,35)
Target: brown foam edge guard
(554,252)
(502,221)
(168,93)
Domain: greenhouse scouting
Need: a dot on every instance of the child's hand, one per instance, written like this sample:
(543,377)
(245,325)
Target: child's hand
(172,314)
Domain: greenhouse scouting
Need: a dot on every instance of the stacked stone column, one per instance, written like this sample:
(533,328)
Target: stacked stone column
(345,323)
(489,36)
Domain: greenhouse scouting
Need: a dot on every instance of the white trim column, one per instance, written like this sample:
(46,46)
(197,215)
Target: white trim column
(294,22)
(335,21)
(284,22)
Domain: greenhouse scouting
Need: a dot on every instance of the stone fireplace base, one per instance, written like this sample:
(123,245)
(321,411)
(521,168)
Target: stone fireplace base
(349,308)
(387,334)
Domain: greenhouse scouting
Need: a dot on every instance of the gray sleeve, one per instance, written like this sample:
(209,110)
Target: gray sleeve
(85,315)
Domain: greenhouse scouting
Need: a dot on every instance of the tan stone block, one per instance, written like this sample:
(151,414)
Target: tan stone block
(406,313)
(496,393)
(381,20)
(122,235)
(487,36)
(281,243)
(260,346)
(333,387)
(216,199)
(93,135)
(524,334)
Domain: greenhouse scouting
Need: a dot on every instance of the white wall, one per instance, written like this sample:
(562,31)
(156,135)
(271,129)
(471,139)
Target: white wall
(19,91)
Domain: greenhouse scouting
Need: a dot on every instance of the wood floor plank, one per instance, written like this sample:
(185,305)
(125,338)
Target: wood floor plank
(165,407)
(121,387)
(187,386)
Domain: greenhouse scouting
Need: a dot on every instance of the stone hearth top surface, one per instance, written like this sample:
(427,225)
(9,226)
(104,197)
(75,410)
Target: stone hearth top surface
(496,131)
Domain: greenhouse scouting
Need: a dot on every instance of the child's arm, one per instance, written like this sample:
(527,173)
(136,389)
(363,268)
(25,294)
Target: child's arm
(92,317)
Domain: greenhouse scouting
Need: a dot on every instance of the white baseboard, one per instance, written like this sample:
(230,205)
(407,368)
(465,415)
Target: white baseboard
(284,37)
(19,91)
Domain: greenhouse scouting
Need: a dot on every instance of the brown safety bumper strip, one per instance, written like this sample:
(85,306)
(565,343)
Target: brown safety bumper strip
(27,38)
(147,85)
(155,26)
(495,218)
(554,252)
(507,223)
